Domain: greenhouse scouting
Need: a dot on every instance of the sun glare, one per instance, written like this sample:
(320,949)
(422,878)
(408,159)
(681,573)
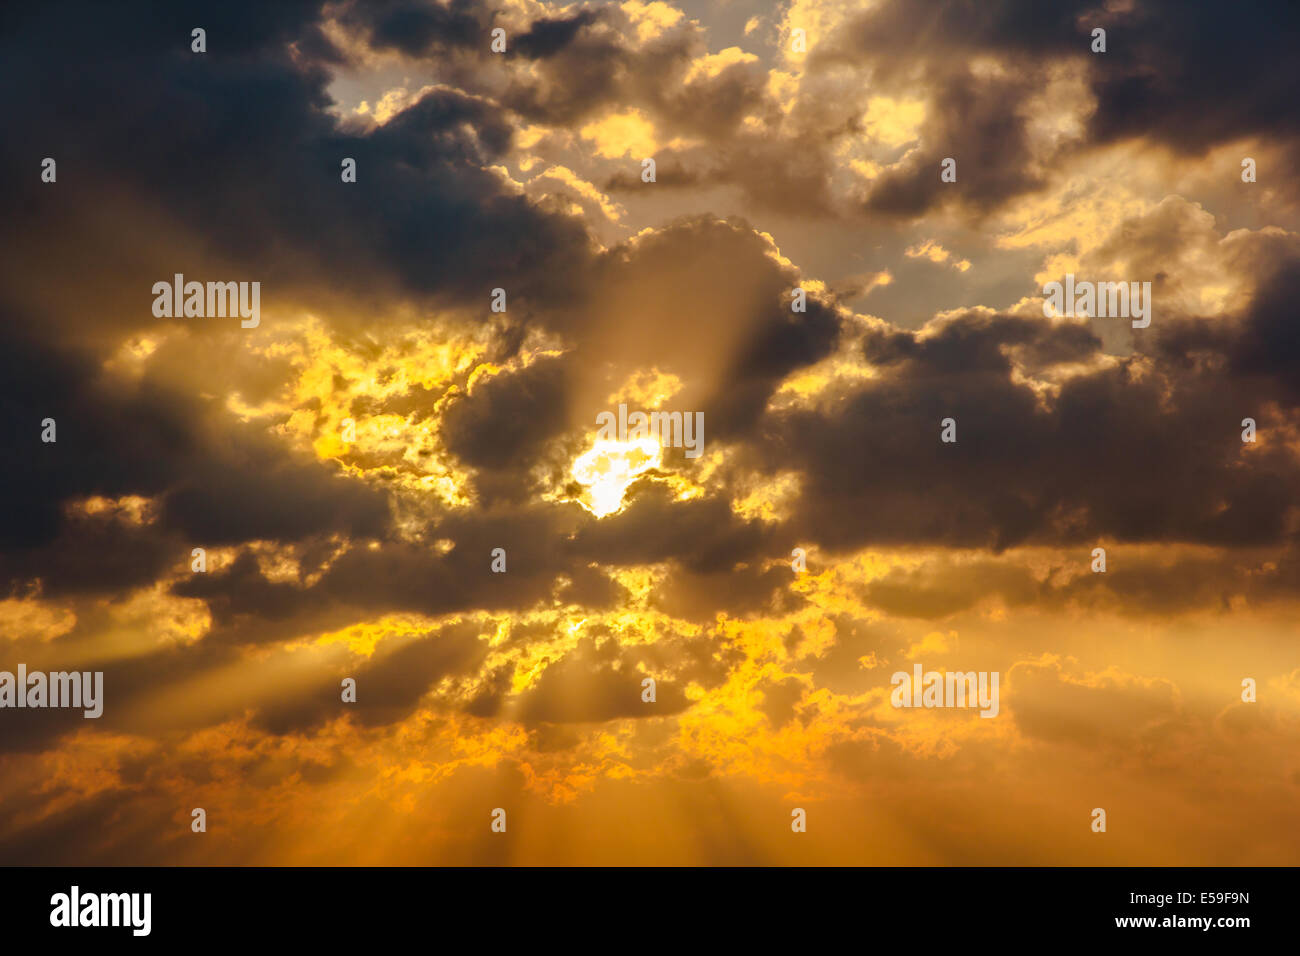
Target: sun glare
(609,467)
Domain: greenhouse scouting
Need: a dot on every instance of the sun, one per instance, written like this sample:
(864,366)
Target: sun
(609,467)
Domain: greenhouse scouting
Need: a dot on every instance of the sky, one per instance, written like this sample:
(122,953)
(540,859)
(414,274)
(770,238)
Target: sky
(429,591)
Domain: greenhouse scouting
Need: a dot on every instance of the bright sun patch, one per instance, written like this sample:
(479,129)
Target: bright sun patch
(609,467)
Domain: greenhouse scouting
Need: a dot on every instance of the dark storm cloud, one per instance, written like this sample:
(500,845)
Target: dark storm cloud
(974,121)
(508,419)
(550,550)
(93,554)
(1268,345)
(217,483)
(553,551)
(237,144)
(593,67)
(548,36)
(909,32)
(578,64)
(977,344)
(416,577)
(741,591)
(240,590)
(1191,76)
(1136,583)
(1196,75)
(262,493)
(703,534)
(1145,449)
(389,686)
(714,106)
(106,444)
(591,588)
(419,27)
(781,342)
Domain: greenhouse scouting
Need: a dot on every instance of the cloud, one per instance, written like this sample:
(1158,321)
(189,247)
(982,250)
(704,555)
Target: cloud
(371,556)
